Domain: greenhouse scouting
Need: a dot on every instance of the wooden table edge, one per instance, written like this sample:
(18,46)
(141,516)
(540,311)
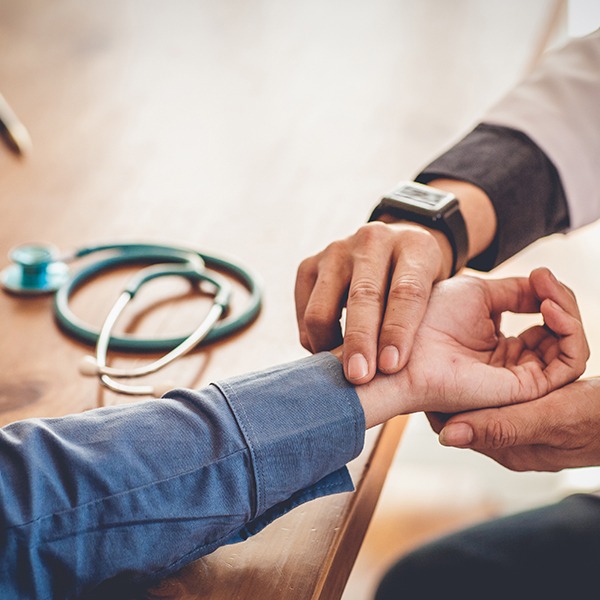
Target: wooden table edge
(342,554)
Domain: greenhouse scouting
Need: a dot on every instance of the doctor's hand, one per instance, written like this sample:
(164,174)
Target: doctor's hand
(383,276)
(461,360)
(555,432)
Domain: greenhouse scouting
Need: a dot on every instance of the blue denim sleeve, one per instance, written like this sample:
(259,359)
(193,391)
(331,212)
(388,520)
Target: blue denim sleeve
(132,493)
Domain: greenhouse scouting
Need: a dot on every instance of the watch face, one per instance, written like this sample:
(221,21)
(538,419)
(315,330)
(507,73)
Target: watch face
(421,196)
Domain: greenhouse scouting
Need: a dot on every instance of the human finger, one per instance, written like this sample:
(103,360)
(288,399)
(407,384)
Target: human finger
(559,419)
(545,285)
(367,296)
(541,340)
(533,337)
(562,316)
(306,276)
(514,294)
(573,350)
(415,271)
(320,291)
(568,352)
(496,428)
(554,432)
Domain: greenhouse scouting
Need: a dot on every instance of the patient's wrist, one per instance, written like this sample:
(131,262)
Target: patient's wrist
(383,398)
(368,397)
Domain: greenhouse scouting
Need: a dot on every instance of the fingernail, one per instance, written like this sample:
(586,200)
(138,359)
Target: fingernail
(389,358)
(456,434)
(357,366)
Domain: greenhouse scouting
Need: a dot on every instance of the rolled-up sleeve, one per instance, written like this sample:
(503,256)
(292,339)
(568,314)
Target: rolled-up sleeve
(518,178)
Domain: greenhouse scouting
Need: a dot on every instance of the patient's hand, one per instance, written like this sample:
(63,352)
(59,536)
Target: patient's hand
(461,360)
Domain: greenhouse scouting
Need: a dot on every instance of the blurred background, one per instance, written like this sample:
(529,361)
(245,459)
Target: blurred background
(299,116)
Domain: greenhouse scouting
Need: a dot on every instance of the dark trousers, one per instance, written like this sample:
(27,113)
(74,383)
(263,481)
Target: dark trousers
(548,552)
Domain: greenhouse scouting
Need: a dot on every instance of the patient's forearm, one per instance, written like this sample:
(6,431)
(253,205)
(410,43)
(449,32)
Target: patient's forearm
(136,491)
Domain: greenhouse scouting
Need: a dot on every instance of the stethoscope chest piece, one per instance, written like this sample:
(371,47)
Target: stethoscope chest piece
(35,270)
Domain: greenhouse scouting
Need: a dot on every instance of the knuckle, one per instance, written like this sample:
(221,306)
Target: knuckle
(395,330)
(400,332)
(334,253)
(335,248)
(307,267)
(333,258)
(422,240)
(371,234)
(305,264)
(357,338)
(409,288)
(569,291)
(312,262)
(499,434)
(317,317)
(365,291)
(372,230)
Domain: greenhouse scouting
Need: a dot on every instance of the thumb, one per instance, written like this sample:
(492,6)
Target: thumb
(494,428)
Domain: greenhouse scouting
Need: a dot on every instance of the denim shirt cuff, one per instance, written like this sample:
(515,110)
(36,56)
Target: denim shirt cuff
(335,483)
(302,421)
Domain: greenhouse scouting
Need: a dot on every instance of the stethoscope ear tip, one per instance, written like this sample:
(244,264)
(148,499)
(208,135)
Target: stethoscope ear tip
(88,366)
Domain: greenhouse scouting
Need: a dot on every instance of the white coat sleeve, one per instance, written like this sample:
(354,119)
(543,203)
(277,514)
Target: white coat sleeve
(558,107)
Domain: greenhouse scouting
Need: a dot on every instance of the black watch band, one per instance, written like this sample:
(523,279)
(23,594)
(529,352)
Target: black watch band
(431,207)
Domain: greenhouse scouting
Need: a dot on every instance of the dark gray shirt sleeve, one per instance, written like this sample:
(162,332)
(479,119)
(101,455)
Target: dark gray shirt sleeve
(520,180)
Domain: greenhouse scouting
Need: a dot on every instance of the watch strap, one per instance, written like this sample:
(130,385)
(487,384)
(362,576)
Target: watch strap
(450,222)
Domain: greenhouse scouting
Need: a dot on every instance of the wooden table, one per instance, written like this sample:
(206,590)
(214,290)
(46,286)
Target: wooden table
(204,124)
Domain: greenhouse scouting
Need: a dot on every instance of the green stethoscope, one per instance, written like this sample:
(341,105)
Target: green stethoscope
(37,269)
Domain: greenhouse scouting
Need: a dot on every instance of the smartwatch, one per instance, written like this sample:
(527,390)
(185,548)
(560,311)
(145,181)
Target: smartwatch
(429,206)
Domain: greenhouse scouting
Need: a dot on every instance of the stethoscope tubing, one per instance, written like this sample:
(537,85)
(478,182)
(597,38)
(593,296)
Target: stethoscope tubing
(139,253)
